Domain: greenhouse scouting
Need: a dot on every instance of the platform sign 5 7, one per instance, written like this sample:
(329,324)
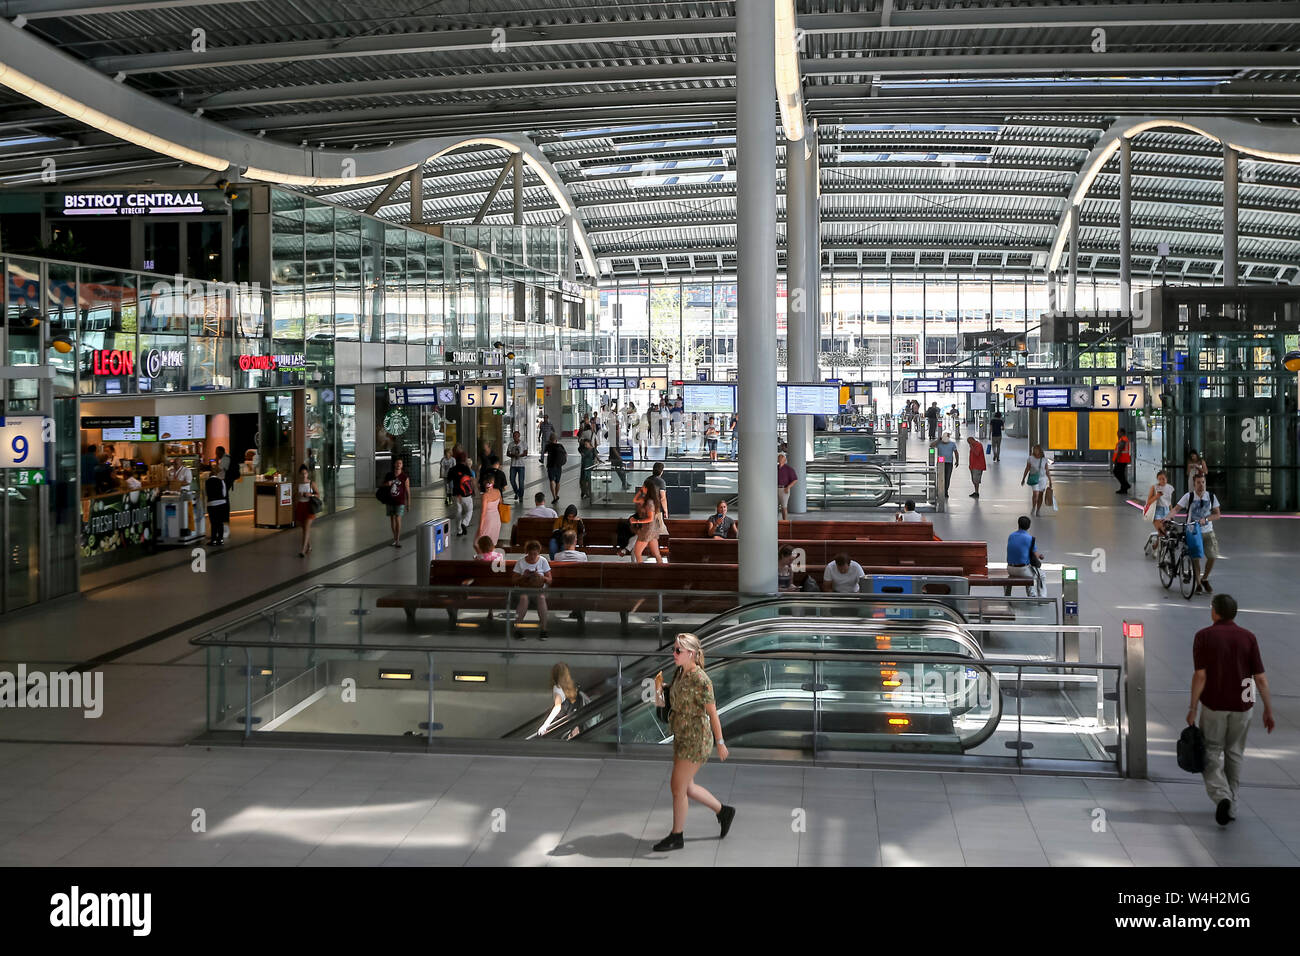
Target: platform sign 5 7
(21,444)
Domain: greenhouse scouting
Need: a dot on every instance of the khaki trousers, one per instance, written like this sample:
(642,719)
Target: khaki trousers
(1225,750)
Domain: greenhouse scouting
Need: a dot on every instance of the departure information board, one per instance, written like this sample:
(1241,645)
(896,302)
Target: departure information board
(705,397)
(810,400)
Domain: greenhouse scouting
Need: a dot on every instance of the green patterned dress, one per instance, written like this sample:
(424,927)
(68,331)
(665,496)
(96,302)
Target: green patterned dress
(692,729)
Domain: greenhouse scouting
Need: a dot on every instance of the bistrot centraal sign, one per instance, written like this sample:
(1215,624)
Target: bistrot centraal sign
(136,203)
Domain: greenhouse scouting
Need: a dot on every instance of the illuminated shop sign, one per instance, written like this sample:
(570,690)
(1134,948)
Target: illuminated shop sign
(153,361)
(112,362)
(139,203)
(271,363)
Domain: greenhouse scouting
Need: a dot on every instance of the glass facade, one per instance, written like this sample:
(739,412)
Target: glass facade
(874,328)
(337,302)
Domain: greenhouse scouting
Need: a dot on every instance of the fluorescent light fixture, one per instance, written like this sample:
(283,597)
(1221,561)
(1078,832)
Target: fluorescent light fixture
(788,92)
(392,673)
(470,677)
(74,109)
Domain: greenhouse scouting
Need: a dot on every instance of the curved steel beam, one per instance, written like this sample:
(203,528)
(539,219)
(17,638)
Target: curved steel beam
(42,73)
(1273,143)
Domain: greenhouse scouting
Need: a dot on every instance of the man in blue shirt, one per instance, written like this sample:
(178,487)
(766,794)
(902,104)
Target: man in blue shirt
(1020,553)
(947,450)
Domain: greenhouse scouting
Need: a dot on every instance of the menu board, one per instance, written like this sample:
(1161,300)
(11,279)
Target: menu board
(143,428)
(709,398)
(812,399)
(182,427)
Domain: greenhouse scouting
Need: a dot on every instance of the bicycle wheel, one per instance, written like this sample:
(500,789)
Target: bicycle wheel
(1167,567)
(1186,575)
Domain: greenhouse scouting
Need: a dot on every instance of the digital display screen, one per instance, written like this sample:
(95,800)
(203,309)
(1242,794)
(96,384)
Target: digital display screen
(575,383)
(414,395)
(709,398)
(1052,397)
(920,385)
(811,400)
(182,427)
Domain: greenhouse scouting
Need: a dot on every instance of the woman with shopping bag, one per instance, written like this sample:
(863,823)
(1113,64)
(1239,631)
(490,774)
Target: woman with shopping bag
(1038,475)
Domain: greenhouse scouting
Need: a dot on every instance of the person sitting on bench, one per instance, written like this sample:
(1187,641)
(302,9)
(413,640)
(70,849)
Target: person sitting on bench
(721,524)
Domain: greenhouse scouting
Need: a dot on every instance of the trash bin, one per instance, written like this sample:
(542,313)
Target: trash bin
(431,539)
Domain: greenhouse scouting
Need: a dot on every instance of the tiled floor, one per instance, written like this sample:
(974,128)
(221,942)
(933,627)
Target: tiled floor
(86,806)
(113,797)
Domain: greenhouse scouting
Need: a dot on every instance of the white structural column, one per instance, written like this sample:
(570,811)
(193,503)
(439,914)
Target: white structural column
(1072,288)
(1126,222)
(1229,217)
(812,367)
(756,290)
(798,427)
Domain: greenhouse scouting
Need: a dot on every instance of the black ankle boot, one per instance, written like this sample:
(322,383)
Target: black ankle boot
(725,816)
(673,841)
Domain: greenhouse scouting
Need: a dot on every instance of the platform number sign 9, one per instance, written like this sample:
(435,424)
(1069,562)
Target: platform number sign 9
(21,444)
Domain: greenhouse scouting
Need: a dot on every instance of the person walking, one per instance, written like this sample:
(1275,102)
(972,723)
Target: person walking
(932,417)
(489,520)
(532,572)
(545,432)
(693,716)
(214,490)
(1023,556)
(1121,458)
(946,449)
(616,462)
(517,453)
(461,479)
(1196,465)
(444,471)
(305,496)
(555,457)
(661,494)
(1038,474)
(786,476)
(399,495)
(587,459)
(976,462)
(995,435)
(711,440)
(646,523)
(1226,660)
(491,471)
(1202,511)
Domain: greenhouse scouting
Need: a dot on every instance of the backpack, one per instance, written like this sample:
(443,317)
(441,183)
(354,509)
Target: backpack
(381,494)
(1191,749)
(560,457)
(466,486)
(232,473)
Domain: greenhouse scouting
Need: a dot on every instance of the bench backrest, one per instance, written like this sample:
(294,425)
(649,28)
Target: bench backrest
(846,530)
(601,531)
(970,556)
(595,575)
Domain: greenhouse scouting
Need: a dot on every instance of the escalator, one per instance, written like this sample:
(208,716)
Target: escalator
(817,684)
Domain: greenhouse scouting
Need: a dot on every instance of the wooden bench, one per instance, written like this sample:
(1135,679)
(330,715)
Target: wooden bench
(590,586)
(603,532)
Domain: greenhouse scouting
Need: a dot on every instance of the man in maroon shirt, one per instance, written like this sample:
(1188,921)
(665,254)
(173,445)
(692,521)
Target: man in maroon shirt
(1229,673)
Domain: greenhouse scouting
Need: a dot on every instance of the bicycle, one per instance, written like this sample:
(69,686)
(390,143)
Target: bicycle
(1174,561)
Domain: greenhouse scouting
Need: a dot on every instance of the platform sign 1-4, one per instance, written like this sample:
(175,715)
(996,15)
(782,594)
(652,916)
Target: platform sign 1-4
(21,444)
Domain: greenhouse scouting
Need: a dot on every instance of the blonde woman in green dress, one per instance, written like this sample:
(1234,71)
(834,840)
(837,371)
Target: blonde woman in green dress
(695,726)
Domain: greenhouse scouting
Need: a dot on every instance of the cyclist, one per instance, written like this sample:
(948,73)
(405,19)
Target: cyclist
(1160,498)
(1202,511)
